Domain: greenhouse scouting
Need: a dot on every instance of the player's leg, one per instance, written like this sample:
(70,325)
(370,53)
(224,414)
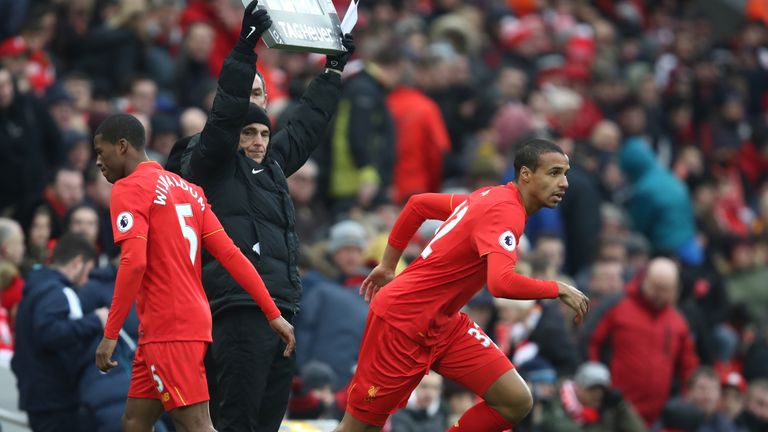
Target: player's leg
(179,384)
(143,407)
(471,359)
(141,414)
(275,397)
(192,418)
(510,397)
(390,366)
(243,349)
(351,424)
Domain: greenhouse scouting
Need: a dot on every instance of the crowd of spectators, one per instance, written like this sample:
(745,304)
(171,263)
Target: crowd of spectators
(661,106)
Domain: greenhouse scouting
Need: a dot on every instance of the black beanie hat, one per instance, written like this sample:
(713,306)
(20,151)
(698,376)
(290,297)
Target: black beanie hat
(257,115)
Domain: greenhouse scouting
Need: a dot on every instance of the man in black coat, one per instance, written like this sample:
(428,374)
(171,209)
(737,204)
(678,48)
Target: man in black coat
(243,170)
(29,146)
(52,333)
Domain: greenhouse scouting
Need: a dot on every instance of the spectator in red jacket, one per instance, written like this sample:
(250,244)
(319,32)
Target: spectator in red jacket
(649,339)
(224,18)
(422,141)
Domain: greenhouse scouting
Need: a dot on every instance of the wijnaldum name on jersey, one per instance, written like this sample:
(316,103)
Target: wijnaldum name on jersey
(166,182)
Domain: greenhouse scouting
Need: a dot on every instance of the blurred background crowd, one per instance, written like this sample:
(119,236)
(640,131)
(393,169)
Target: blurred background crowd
(660,104)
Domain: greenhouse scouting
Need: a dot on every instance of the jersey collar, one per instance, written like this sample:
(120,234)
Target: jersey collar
(146,166)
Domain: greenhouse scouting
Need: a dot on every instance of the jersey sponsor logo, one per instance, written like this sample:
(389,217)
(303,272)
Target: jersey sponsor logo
(255,171)
(508,241)
(124,221)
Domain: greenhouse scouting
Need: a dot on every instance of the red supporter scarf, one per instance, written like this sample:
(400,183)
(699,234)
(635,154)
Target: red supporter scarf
(575,410)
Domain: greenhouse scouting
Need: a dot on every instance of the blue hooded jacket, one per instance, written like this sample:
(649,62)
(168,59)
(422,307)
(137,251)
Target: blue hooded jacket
(52,335)
(659,203)
(98,292)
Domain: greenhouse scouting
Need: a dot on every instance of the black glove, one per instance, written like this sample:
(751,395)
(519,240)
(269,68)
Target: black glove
(254,24)
(338,61)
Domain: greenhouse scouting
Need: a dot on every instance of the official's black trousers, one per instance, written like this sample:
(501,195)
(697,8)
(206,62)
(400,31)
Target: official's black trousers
(53,421)
(249,380)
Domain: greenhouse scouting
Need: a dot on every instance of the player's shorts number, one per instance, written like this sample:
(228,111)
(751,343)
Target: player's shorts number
(446,227)
(480,336)
(156,377)
(184,211)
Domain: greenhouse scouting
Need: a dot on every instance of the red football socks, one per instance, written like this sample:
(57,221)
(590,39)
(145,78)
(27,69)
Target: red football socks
(481,418)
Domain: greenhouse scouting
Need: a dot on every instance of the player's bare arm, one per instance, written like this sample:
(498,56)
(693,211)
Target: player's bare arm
(133,264)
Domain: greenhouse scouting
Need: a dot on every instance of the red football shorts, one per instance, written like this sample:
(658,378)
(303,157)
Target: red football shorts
(172,372)
(391,365)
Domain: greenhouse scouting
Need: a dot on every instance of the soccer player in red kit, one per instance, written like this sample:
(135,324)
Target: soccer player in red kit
(414,323)
(160,222)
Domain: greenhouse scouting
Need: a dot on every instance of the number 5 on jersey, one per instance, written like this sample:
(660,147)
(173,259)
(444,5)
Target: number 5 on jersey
(446,227)
(184,211)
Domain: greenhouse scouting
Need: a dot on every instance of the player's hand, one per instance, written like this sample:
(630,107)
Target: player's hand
(104,354)
(378,277)
(254,24)
(575,299)
(285,330)
(337,62)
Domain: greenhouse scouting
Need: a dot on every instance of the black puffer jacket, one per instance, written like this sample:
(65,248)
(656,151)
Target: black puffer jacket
(251,200)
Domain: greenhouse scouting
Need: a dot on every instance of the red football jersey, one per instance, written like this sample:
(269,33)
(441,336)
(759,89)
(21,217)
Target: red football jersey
(452,268)
(170,214)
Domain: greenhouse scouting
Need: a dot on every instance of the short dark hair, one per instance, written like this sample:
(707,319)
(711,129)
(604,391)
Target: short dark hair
(529,152)
(78,76)
(70,246)
(135,80)
(389,54)
(60,169)
(63,168)
(702,372)
(122,126)
(77,208)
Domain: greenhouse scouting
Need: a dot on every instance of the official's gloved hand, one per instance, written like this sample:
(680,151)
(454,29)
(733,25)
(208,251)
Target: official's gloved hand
(338,62)
(254,24)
